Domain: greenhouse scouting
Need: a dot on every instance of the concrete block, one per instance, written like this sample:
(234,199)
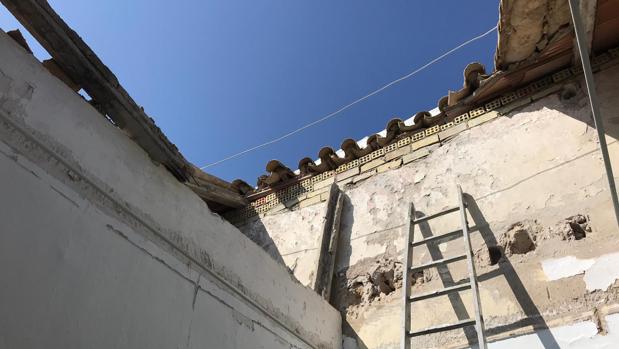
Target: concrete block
(452,131)
(363,176)
(424,142)
(418,154)
(311,201)
(372,164)
(347,174)
(483,118)
(389,166)
(398,153)
(324,184)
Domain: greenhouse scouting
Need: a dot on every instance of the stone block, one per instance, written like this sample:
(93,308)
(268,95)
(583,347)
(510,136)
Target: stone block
(311,201)
(425,141)
(323,184)
(483,118)
(315,193)
(514,105)
(347,174)
(345,181)
(417,154)
(363,176)
(389,166)
(398,153)
(372,164)
(452,131)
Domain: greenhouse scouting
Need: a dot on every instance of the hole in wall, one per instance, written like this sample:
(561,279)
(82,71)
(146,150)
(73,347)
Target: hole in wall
(495,253)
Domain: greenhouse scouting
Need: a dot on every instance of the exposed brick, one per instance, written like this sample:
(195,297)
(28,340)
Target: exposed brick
(372,164)
(363,176)
(426,141)
(452,131)
(347,174)
(483,118)
(417,154)
(398,153)
(389,166)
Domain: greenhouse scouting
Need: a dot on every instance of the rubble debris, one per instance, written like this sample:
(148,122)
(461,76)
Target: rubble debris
(574,227)
(369,281)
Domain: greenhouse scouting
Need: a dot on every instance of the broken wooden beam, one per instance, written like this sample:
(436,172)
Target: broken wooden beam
(81,65)
(328,248)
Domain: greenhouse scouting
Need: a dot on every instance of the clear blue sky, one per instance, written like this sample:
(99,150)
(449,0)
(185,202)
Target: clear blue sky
(221,76)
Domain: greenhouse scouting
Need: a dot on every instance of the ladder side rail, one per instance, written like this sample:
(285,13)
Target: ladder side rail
(479,324)
(407,278)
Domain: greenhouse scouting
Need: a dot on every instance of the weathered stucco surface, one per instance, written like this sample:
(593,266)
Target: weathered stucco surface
(102,248)
(537,189)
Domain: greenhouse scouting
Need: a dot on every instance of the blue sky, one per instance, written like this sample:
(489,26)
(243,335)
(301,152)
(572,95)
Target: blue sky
(222,76)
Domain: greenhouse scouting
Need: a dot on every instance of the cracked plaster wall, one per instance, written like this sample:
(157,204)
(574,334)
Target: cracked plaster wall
(102,248)
(527,171)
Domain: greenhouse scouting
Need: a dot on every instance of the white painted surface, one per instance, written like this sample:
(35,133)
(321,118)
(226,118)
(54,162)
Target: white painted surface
(559,268)
(603,272)
(599,272)
(582,335)
(116,253)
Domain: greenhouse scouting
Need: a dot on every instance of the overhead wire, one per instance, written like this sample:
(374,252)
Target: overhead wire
(356,101)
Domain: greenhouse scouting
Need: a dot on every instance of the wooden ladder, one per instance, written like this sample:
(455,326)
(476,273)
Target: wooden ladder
(478,321)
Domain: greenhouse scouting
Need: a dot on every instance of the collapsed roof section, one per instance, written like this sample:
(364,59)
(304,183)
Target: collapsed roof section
(79,67)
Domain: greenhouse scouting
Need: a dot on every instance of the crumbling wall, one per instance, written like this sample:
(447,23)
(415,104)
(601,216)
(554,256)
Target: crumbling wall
(102,248)
(537,190)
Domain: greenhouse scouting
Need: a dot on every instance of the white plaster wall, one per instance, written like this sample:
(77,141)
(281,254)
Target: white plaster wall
(580,335)
(103,248)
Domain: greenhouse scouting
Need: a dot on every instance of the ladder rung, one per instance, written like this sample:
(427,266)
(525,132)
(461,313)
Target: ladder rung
(442,328)
(440,292)
(438,214)
(438,262)
(441,237)
(436,238)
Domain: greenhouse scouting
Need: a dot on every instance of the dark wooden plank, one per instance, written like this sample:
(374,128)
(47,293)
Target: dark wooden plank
(83,66)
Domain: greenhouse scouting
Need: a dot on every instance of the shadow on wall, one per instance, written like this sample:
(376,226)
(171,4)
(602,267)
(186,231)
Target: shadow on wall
(344,253)
(260,236)
(506,269)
